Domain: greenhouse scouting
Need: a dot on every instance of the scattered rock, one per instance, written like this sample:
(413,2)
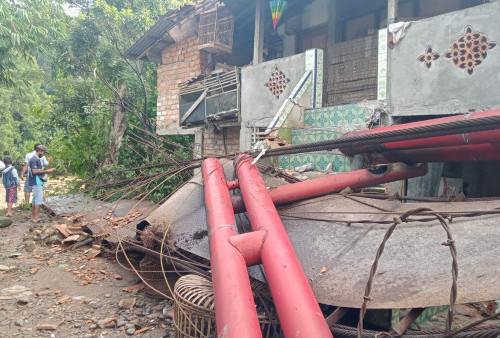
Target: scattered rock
(107,295)
(110,325)
(133,288)
(30,247)
(15,292)
(93,326)
(19,322)
(122,323)
(50,327)
(5,221)
(127,303)
(130,331)
(78,324)
(6,268)
(64,299)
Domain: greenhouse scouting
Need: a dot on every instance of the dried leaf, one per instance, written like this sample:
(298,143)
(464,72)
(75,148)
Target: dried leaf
(323,270)
(170,314)
(64,299)
(133,288)
(144,329)
(118,277)
(33,271)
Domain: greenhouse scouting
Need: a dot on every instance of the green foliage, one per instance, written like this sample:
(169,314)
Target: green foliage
(24,113)
(27,27)
(62,74)
(25,206)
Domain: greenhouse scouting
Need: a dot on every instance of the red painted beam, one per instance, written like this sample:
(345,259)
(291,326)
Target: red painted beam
(297,308)
(469,153)
(491,136)
(335,183)
(235,311)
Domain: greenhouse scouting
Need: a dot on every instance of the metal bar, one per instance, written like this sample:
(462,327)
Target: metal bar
(489,136)
(337,315)
(335,183)
(475,152)
(410,317)
(235,311)
(297,308)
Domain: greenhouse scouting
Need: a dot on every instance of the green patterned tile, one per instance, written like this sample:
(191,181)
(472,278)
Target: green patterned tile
(335,116)
(320,161)
(284,162)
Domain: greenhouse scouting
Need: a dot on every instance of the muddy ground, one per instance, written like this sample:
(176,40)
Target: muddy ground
(47,289)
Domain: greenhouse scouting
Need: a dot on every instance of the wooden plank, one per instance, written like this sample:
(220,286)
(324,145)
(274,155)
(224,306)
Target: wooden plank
(193,107)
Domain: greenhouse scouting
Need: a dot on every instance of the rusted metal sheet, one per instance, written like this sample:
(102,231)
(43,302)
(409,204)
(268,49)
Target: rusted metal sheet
(414,270)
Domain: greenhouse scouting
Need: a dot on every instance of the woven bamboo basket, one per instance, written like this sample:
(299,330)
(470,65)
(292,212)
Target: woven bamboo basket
(194,310)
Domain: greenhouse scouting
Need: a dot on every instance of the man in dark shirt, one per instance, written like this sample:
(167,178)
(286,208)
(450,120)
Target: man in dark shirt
(35,181)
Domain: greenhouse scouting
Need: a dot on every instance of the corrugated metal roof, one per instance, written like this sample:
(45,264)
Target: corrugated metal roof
(158,33)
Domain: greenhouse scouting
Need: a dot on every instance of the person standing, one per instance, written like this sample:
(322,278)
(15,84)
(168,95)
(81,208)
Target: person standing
(12,183)
(45,163)
(35,181)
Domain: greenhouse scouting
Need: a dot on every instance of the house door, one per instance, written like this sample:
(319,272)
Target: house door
(316,38)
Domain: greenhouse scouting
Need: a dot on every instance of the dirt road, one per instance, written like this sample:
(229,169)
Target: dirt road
(46,289)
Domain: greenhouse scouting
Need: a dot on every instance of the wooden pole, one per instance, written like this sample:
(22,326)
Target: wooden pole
(258,42)
(392,11)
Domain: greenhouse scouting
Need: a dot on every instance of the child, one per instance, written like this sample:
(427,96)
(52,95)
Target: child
(10,181)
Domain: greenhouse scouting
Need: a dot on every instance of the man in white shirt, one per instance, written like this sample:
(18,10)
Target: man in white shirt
(45,163)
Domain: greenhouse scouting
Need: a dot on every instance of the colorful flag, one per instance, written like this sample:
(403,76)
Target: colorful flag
(277,9)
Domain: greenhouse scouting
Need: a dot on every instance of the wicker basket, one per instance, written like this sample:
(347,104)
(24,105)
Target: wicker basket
(195,309)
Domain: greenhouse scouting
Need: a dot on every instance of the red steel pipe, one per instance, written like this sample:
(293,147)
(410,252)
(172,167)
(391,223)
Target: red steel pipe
(475,152)
(235,311)
(297,308)
(491,136)
(335,183)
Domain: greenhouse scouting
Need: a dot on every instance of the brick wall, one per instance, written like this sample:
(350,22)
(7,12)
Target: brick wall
(180,62)
(221,142)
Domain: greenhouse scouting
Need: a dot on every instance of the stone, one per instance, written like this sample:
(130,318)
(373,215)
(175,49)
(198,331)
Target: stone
(305,167)
(130,331)
(110,325)
(92,326)
(30,247)
(139,304)
(19,322)
(130,326)
(127,303)
(78,324)
(50,327)
(23,300)
(121,323)
(15,292)
(5,221)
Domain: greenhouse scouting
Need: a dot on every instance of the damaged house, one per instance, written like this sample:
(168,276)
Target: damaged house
(239,75)
(229,78)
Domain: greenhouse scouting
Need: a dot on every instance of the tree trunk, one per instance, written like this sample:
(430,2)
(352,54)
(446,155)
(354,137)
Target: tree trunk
(118,127)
